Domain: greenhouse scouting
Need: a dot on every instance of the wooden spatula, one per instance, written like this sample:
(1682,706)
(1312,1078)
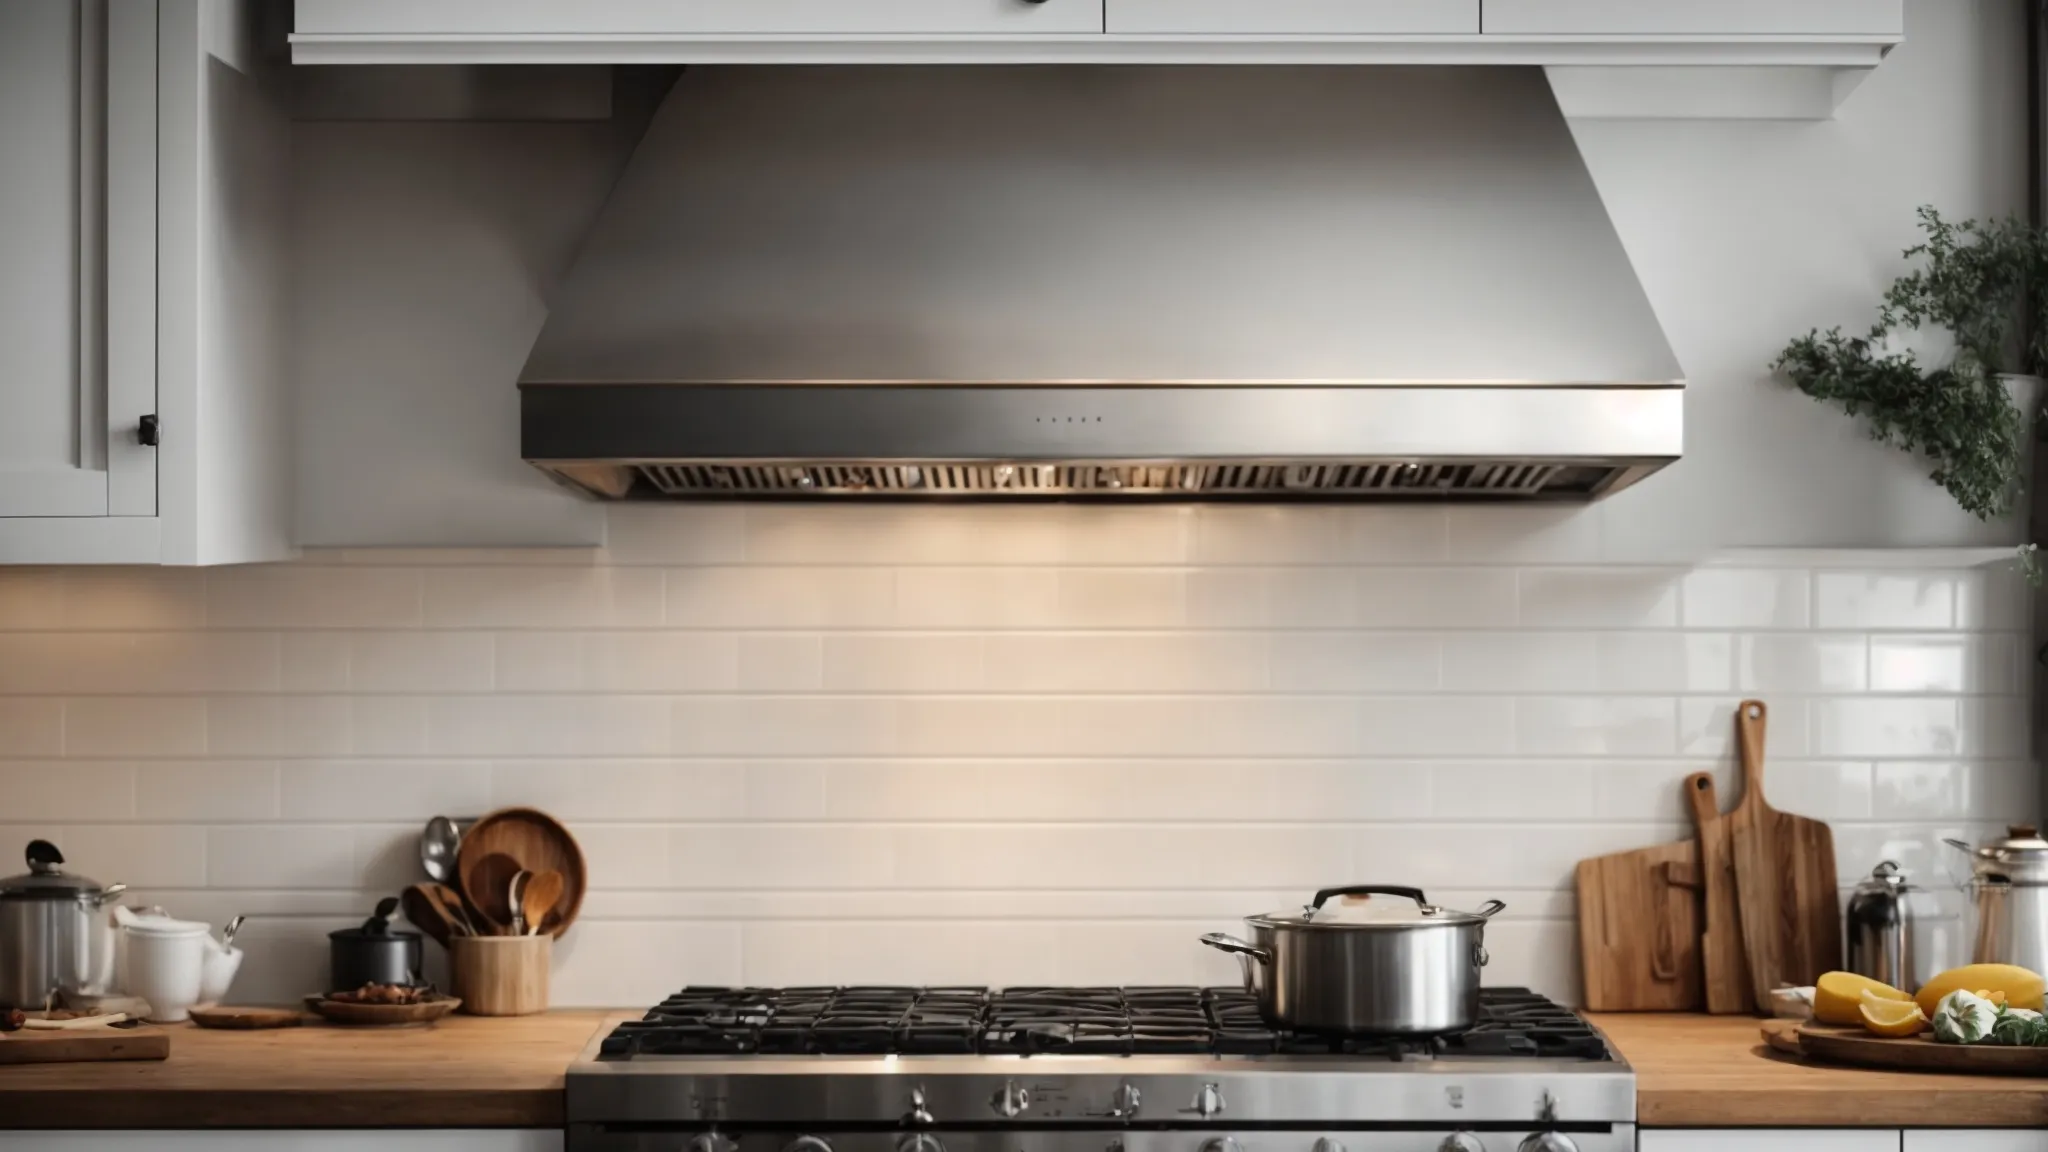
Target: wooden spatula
(1724,968)
(1784,877)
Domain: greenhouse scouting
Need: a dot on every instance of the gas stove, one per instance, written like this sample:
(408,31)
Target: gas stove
(1151,1069)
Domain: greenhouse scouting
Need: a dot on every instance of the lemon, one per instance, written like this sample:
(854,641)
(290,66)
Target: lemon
(1888,1017)
(1838,996)
(2022,988)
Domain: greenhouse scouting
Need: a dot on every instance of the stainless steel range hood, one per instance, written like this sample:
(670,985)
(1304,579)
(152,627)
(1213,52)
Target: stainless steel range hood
(1103,282)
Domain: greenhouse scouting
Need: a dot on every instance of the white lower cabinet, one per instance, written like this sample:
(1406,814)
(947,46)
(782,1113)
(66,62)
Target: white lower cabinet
(1976,1140)
(379,1140)
(1769,1140)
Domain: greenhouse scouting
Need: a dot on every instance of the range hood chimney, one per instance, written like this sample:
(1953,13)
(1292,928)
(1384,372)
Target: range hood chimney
(1116,282)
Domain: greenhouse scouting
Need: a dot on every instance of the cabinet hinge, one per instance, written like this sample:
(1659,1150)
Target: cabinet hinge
(145,432)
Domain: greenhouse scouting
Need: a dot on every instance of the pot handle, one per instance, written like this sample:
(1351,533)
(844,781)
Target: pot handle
(1490,909)
(1225,942)
(1328,894)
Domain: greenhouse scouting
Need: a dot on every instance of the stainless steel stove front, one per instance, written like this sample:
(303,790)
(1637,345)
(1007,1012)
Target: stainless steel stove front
(605,1138)
(1202,1091)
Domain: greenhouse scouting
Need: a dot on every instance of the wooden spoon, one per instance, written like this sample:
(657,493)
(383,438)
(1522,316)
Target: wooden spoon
(543,892)
(454,908)
(489,887)
(423,907)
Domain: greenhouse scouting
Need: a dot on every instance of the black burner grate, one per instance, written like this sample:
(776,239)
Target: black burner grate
(1060,1021)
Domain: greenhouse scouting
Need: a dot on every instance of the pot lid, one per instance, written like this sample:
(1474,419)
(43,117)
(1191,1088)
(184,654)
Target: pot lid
(1375,906)
(159,923)
(46,878)
(2022,842)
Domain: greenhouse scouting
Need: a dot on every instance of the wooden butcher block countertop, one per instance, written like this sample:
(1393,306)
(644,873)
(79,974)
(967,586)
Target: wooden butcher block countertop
(1696,1071)
(463,1072)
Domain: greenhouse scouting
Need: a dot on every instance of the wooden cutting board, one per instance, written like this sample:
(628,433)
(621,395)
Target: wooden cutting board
(1639,929)
(1724,969)
(1922,1053)
(1784,877)
(247,1019)
(56,1047)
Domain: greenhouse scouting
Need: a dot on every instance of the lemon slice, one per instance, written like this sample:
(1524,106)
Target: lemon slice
(1887,1017)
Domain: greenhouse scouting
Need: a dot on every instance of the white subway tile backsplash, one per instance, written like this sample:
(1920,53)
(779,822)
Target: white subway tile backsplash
(1597,598)
(1431,598)
(1883,600)
(1747,598)
(280,725)
(1803,662)
(990,744)
(108,726)
(1596,726)
(1972,664)
(56,791)
(542,596)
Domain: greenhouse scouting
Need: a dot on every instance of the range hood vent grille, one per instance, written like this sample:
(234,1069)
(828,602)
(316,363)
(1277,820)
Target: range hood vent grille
(1386,478)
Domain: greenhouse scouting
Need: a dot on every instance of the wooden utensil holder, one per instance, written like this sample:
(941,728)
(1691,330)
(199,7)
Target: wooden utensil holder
(500,975)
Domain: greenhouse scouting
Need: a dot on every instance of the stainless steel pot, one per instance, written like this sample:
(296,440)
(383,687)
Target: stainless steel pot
(1390,963)
(55,937)
(1882,926)
(2009,890)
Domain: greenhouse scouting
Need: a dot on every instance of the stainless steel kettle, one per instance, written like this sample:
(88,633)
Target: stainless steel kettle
(2009,891)
(1880,929)
(55,936)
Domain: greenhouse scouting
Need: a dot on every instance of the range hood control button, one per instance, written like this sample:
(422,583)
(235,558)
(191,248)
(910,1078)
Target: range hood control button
(1208,1102)
(1124,1104)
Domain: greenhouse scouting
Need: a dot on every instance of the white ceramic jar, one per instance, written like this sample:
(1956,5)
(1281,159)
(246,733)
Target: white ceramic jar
(165,962)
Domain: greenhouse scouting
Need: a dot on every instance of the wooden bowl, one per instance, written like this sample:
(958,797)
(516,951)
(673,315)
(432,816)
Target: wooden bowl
(537,841)
(343,1012)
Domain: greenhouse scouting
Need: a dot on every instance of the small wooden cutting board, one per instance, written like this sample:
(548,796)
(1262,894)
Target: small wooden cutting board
(1639,929)
(1784,877)
(58,1047)
(1724,970)
(247,1018)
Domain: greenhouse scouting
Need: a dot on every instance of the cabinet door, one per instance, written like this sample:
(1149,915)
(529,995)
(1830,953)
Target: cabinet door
(77,256)
(1976,1140)
(1695,17)
(1291,17)
(1767,1140)
(670,18)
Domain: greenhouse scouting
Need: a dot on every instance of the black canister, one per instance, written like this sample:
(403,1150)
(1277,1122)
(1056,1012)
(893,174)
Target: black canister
(373,954)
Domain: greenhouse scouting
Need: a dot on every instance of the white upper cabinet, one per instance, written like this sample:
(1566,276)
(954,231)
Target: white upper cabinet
(1813,33)
(77,109)
(1883,19)
(141,297)
(700,17)
(1291,17)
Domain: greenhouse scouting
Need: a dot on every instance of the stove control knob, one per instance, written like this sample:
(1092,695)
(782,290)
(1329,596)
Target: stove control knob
(1325,1144)
(1461,1142)
(1209,1102)
(1222,1144)
(1124,1104)
(922,1142)
(1549,1142)
(713,1142)
(1010,1100)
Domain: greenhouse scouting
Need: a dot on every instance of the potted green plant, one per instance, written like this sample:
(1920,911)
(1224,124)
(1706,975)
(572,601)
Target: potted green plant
(1972,418)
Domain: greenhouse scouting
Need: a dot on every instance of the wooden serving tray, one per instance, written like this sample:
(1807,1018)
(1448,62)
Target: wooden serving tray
(1922,1053)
